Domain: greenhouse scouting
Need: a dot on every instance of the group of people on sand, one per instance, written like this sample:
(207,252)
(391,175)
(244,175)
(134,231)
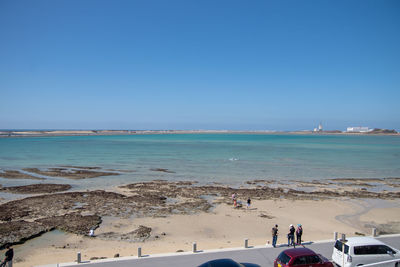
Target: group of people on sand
(237,203)
(290,235)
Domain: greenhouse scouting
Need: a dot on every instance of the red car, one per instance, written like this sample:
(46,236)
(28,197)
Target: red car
(301,257)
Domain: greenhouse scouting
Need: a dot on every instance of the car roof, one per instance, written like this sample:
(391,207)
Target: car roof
(220,262)
(362,240)
(294,252)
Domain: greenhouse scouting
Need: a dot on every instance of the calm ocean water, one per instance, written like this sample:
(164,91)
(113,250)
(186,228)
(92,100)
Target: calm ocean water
(225,158)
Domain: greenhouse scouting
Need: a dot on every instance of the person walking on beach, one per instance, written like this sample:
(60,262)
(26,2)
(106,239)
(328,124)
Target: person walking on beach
(290,235)
(248,202)
(299,233)
(274,235)
(8,257)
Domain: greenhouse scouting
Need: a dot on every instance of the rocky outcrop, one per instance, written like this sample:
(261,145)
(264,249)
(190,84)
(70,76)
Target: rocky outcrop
(11,174)
(140,234)
(70,173)
(36,188)
(17,232)
(20,231)
(72,222)
(78,212)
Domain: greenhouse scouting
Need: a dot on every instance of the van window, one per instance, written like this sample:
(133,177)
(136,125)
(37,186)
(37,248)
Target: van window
(339,245)
(283,258)
(372,249)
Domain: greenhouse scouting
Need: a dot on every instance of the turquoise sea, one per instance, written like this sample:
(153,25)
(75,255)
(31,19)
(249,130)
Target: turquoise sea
(224,158)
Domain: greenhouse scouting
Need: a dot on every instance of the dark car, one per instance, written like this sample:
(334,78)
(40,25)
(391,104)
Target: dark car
(226,263)
(301,257)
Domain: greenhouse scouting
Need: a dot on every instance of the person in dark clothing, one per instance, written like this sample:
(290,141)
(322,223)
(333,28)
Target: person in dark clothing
(274,235)
(248,203)
(8,257)
(299,233)
(291,235)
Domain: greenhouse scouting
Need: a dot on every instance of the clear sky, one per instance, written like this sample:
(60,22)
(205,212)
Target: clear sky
(201,64)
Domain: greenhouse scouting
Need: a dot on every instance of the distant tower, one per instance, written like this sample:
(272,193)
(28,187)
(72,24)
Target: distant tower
(320,127)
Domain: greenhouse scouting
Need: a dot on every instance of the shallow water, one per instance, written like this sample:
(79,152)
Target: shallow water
(225,158)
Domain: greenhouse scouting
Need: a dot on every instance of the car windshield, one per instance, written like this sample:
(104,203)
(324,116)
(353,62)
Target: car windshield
(283,258)
(339,246)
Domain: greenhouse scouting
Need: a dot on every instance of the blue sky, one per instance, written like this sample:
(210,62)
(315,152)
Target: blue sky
(255,65)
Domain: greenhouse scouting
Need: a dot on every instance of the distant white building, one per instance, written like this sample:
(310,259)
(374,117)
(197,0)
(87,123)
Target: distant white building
(319,129)
(359,129)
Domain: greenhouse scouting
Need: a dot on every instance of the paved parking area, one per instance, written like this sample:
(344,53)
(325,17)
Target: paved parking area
(260,256)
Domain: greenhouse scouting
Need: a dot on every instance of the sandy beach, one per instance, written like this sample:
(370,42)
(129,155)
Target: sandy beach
(220,226)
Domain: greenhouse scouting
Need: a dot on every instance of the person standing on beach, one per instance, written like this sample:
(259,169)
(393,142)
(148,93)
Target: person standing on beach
(299,233)
(291,235)
(8,257)
(274,235)
(248,202)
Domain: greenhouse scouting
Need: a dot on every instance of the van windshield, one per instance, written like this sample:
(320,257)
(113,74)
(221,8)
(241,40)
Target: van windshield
(339,246)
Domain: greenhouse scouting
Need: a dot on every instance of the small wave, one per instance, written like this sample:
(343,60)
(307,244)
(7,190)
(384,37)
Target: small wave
(233,159)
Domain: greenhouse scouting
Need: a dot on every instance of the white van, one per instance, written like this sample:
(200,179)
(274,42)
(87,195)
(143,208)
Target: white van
(364,250)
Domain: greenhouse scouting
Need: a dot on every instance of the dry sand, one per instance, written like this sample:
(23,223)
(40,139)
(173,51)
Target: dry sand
(223,227)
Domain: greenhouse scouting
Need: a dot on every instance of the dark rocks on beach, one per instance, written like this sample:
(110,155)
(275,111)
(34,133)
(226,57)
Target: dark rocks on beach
(78,212)
(16,232)
(44,206)
(161,170)
(11,174)
(70,173)
(72,222)
(83,167)
(262,215)
(97,258)
(36,188)
(140,234)
(19,231)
